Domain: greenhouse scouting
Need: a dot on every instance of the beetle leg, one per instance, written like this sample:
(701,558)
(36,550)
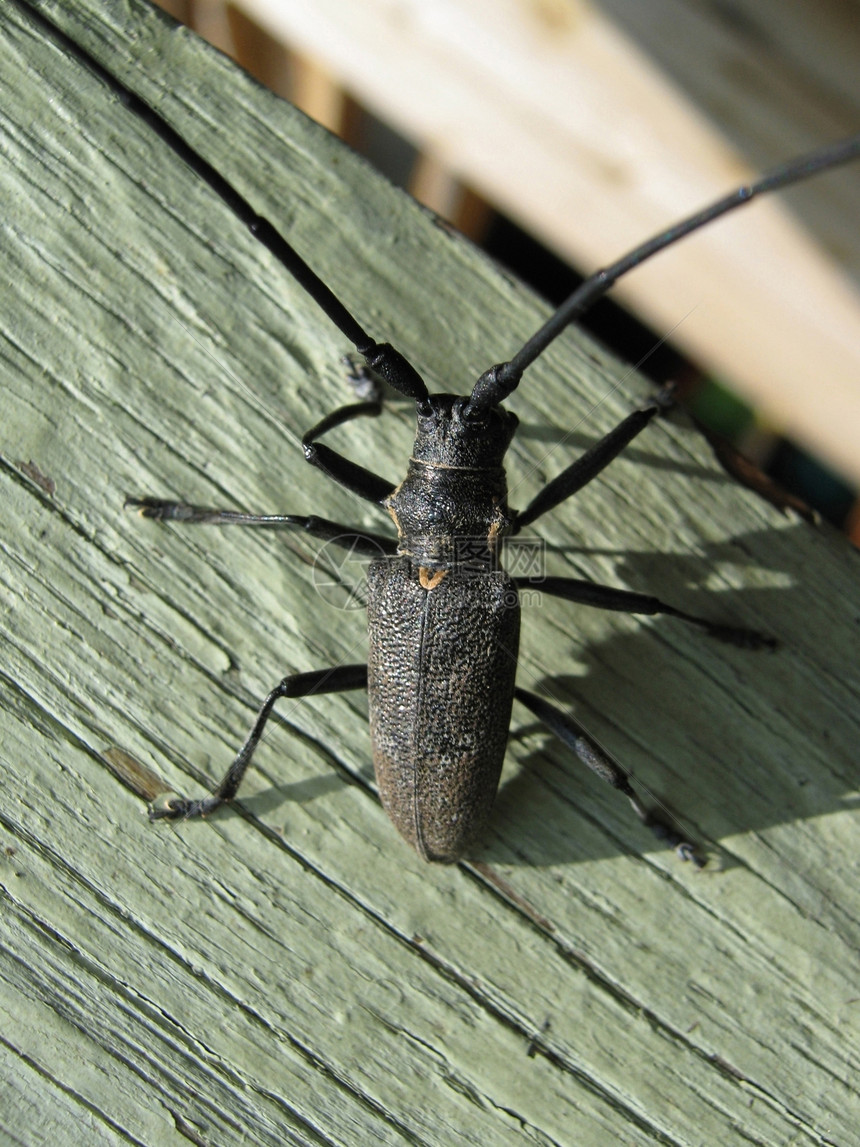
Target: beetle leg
(590,753)
(366,384)
(347,536)
(625,601)
(353,477)
(580,472)
(337,680)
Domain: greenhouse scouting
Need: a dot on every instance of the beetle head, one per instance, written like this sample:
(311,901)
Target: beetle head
(450,434)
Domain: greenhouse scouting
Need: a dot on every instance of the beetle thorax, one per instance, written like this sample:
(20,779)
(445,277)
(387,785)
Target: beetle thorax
(451,508)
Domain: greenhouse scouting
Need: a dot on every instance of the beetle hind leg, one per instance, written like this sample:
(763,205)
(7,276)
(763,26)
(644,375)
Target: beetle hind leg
(590,753)
(340,679)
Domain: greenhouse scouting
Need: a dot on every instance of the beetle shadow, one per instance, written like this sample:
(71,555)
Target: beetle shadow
(780,723)
(276,798)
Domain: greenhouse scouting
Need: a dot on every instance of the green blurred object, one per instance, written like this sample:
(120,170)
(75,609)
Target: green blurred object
(719,409)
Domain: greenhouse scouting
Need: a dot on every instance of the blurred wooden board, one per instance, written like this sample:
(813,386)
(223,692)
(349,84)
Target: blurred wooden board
(289,972)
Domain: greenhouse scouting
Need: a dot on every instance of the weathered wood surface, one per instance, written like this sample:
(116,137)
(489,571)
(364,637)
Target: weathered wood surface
(288,971)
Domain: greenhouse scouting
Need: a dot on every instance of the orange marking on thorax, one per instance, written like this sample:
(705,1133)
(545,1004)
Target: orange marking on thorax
(430,578)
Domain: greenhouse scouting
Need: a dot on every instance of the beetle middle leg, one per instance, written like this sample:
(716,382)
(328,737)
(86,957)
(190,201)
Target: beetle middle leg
(340,679)
(362,541)
(589,752)
(626,601)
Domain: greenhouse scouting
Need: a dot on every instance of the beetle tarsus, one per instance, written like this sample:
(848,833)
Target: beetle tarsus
(169,807)
(667,834)
(742,638)
(366,384)
(162,510)
(662,399)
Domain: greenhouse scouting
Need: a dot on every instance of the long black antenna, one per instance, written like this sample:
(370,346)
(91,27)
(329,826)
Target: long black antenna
(381,357)
(497,383)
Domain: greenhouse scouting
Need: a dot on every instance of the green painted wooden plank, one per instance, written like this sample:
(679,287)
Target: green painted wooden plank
(289,971)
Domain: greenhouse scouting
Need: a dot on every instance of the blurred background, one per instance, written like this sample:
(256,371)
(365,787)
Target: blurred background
(557,134)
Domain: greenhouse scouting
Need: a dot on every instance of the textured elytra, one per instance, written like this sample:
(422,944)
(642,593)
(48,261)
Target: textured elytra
(441,670)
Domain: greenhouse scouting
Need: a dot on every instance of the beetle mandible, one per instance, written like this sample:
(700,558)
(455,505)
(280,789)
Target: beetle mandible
(443,615)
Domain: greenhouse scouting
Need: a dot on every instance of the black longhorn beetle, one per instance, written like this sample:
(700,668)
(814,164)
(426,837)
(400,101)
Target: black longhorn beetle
(443,625)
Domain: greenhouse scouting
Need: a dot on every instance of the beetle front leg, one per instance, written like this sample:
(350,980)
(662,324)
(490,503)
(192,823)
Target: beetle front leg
(581,471)
(590,753)
(348,474)
(338,680)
